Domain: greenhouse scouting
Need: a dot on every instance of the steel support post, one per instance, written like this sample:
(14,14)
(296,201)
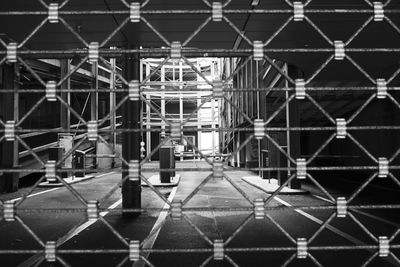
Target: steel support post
(94,96)
(262,114)
(242,103)
(94,102)
(256,104)
(250,94)
(65,114)
(131,189)
(16,118)
(163,101)
(293,120)
(241,95)
(213,132)
(9,106)
(112,103)
(236,140)
(246,102)
(199,125)
(180,79)
(148,117)
(221,144)
(180,113)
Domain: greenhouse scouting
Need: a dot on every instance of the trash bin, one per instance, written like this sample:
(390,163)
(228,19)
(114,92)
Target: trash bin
(79,162)
(167,161)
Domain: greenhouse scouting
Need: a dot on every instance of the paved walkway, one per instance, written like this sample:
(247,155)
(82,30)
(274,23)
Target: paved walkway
(196,232)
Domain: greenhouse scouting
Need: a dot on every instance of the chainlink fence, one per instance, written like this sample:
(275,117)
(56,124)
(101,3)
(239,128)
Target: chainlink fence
(254,77)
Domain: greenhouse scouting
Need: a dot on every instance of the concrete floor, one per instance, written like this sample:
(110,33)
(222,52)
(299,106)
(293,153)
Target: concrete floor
(181,235)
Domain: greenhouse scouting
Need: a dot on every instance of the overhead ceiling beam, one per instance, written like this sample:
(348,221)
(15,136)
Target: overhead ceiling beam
(239,38)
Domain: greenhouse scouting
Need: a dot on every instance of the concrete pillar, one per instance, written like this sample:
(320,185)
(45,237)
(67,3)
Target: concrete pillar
(9,111)
(131,190)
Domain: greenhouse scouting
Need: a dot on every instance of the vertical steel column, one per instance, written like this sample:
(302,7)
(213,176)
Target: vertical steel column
(262,114)
(228,115)
(221,136)
(94,96)
(131,189)
(287,111)
(246,102)
(163,100)
(180,79)
(213,126)
(65,114)
(213,132)
(9,105)
(235,99)
(148,114)
(142,113)
(257,96)
(293,120)
(148,126)
(112,103)
(241,96)
(94,101)
(242,121)
(16,116)
(200,124)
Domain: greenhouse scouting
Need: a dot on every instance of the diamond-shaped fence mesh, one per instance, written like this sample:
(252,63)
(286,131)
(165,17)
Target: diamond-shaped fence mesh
(319,105)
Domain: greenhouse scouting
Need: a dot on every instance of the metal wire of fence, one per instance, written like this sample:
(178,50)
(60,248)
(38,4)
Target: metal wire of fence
(259,50)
